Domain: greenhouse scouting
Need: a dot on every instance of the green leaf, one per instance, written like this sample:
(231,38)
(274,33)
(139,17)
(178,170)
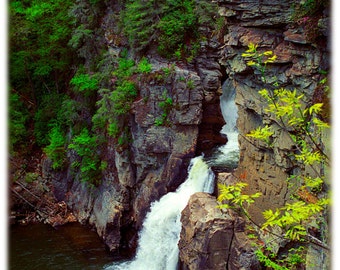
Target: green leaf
(320,123)
(261,133)
(316,108)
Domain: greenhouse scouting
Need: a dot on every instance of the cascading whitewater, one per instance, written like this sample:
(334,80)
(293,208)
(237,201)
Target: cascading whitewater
(157,246)
(227,156)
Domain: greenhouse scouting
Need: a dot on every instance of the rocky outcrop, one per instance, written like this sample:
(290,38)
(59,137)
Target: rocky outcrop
(300,57)
(301,54)
(212,120)
(212,238)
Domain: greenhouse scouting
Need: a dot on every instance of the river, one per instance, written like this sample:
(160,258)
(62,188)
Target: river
(42,247)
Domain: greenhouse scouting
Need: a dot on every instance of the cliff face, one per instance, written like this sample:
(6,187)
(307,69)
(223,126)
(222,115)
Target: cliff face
(175,116)
(301,57)
(302,51)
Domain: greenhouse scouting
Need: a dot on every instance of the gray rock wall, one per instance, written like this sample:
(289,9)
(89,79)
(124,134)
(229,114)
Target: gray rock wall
(299,61)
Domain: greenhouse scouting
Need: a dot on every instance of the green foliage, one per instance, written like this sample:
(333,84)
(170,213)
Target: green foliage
(18,116)
(309,8)
(301,122)
(69,113)
(166,105)
(190,84)
(56,149)
(258,60)
(46,116)
(86,36)
(261,133)
(234,198)
(168,71)
(295,218)
(84,83)
(30,177)
(178,22)
(144,66)
(79,36)
(292,260)
(40,64)
(139,22)
(85,146)
(307,14)
(125,68)
(39,34)
(113,129)
(114,105)
(162,120)
(123,96)
(268,262)
(173,25)
(103,113)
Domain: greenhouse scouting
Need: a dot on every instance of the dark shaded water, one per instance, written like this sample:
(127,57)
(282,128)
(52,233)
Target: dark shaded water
(42,247)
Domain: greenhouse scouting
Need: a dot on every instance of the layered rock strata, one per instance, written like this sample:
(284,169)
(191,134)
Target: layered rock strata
(302,55)
(300,58)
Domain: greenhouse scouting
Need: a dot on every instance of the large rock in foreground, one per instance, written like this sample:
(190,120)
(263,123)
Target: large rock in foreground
(210,238)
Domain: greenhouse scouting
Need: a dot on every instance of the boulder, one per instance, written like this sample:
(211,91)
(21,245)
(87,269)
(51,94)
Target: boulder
(213,239)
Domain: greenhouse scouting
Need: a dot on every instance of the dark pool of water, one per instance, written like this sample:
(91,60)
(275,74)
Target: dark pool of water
(42,247)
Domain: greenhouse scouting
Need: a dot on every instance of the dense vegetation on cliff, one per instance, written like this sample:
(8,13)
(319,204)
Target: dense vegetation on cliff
(68,91)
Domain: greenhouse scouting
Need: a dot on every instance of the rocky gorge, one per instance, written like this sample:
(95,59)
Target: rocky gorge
(156,159)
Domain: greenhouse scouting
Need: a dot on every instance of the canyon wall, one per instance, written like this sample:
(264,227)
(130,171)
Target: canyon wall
(302,56)
(302,49)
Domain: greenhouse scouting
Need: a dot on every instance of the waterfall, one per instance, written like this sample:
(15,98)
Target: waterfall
(157,246)
(227,156)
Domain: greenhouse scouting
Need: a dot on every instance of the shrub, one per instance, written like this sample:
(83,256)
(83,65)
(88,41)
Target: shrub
(125,68)
(122,97)
(172,25)
(84,83)
(30,177)
(113,105)
(85,146)
(144,66)
(113,129)
(46,116)
(56,149)
(166,107)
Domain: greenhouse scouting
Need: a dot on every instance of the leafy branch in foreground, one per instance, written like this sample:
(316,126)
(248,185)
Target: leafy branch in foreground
(231,197)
